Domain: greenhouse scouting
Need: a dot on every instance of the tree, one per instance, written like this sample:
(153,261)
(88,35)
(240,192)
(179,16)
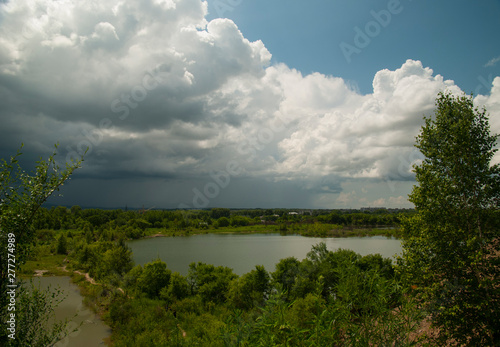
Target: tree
(116,260)
(178,288)
(223,222)
(451,245)
(210,282)
(250,289)
(286,273)
(21,196)
(239,221)
(35,313)
(76,210)
(217,213)
(153,278)
(62,244)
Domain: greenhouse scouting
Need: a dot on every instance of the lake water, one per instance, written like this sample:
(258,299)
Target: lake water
(242,252)
(92,331)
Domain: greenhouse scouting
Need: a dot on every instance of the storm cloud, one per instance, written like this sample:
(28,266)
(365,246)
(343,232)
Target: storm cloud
(164,101)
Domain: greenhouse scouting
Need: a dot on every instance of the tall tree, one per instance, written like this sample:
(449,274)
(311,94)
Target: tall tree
(451,246)
(21,195)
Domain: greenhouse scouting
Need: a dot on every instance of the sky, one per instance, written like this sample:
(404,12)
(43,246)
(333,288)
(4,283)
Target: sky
(238,103)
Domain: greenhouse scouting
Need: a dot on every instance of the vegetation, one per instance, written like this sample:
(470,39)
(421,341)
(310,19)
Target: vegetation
(451,245)
(21,195)
(35,325)
(127,224)
(149,305)
(329,297)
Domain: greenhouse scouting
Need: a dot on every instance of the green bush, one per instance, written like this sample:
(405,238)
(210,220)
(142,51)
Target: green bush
(223,222)
(153,278)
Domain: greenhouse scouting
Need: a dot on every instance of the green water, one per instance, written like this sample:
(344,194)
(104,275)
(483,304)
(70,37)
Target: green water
(243,252)
(92,331)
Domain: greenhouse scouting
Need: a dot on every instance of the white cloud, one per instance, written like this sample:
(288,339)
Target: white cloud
(492,62)
(492,105)
(182,96)
(378,129)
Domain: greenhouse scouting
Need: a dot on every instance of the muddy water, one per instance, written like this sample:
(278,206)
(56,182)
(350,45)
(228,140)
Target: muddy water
(92,330)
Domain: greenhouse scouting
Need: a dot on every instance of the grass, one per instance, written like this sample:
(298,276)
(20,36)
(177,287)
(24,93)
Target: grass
(52,263)
(259,228)
(356,232)
(311,230)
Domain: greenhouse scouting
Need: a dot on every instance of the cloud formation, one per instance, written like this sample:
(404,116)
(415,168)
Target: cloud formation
(492,62)
(156,92)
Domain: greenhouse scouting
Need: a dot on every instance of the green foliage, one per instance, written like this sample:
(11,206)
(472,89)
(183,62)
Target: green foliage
(217,213)
(112,225)
(21,195)
(140,322)
(188,305)
(178,288)
(376,262)
(34,314)
(223,222)
(140,224)
(240,221)
(62,244)
(318,229)
(45,236)
(286,273)
(304,311)
(130,279)
(249,290)
(303,305)
(210,282)
(451,248)
(153,278)
(116,260)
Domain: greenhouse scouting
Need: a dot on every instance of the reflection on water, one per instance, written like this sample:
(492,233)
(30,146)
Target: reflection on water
(243,252)
(92,330)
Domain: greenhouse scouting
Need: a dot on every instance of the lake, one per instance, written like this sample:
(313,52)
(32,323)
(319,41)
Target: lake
(242,252)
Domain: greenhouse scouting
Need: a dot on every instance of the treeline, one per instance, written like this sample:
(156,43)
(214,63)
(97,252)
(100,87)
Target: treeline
(136,224)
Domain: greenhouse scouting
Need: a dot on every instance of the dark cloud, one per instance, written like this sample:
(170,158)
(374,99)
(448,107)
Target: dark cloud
(164,101)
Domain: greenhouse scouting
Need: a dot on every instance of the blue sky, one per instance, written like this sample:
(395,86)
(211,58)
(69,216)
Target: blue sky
(238,103)
(455,38)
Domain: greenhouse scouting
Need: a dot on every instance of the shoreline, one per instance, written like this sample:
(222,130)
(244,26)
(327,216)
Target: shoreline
(389,231)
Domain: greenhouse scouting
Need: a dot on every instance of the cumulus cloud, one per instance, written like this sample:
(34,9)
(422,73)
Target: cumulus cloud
(157,92)
(365,136)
